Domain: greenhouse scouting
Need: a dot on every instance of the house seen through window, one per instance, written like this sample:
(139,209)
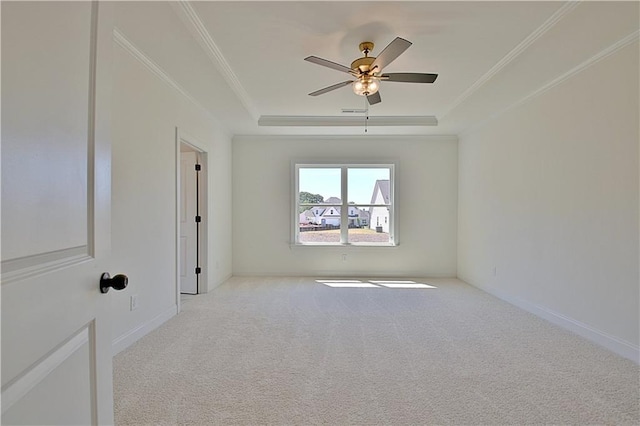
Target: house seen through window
(344,204)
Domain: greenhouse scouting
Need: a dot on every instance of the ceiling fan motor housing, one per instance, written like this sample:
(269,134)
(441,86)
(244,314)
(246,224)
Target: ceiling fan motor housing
(363,64)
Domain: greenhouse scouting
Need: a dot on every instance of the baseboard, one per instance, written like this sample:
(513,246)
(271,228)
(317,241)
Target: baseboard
(332,273)
(614,344)
(219,282)
(132,336)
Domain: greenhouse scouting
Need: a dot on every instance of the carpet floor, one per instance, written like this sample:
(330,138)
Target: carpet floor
(296,351)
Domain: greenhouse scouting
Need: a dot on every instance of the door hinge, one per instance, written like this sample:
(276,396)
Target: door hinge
(198,270)
(198,167)
(198,219)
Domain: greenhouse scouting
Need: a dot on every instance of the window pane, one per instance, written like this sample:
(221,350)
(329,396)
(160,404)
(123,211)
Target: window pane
(363,230)
(320,236)
(319,185)
(320,224)
(321,215)
(379,218)
(364,184)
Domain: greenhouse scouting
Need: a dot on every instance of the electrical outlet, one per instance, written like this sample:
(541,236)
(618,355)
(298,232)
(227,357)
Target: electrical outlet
(495,271)
(344,257)
(134,302)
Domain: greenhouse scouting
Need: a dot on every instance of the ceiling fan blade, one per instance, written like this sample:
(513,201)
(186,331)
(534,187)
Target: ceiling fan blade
(330,88)
(328,64)
(390,53)
(374,99)
(409,77)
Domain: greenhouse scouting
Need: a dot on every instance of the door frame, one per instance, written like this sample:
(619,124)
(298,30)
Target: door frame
(203,190)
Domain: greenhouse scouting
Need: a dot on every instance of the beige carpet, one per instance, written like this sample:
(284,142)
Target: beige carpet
(293,351)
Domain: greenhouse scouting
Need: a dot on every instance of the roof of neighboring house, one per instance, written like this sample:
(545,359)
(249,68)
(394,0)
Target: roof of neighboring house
(327,211)
(383,185)
(308,213)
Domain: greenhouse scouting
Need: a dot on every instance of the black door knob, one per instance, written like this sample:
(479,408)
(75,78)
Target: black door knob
(118,282)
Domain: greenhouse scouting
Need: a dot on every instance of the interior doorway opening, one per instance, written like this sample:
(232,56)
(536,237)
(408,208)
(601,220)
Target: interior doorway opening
(191,215)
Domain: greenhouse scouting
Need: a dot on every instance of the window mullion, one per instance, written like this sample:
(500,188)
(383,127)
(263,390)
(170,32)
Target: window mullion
(296,201)
(344,210)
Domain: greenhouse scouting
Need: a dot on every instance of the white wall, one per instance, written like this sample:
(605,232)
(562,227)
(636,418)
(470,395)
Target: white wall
(426,202)
(548,196)
(146,111)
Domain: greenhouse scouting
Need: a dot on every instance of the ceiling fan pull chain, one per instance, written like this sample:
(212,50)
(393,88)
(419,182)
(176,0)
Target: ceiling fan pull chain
(366,113)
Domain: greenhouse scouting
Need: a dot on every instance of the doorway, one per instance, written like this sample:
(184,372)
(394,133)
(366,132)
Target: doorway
(191,203)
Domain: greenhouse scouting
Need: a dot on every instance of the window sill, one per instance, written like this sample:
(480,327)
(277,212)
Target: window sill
(342,246)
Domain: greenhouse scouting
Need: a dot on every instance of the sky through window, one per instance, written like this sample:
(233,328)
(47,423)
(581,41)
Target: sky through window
(326,182)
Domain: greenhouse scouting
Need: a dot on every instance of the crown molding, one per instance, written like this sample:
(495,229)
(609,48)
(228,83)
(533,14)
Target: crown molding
(513,54)
(130,48)
(331,121)
(339,137)
(198,29)
(122,41)
(615,47)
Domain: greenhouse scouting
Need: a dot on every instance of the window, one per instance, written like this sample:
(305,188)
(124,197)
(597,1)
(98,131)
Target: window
(343,204)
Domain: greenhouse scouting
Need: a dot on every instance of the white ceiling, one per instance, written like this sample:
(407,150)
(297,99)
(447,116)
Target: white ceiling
(243,60)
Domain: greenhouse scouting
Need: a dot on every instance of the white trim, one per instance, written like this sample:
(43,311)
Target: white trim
(354,159)
(330,121)
(215,54)
(130,337)
(19,387)
(338,245)
(614,344)
(35,265)
(177,223)
(203,281)
(91,137)
(125,44)
(344,207)
(221,281)
(393,198)
(122,41)
(344,165)
(620,44)
(332,273)
(513,54)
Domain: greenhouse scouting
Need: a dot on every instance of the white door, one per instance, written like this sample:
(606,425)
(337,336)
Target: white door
(188,225)
(56,335)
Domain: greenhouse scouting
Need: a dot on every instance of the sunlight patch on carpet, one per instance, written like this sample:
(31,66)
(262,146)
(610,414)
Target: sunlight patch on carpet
(347,284)
(402,284)
(393,284)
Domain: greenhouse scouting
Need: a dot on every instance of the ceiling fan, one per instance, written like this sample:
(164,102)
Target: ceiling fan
(368,71)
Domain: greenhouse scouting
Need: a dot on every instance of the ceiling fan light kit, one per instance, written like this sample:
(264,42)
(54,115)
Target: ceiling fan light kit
(366,85)
(367,71)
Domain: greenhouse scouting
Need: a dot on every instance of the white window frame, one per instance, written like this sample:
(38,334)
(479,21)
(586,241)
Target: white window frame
(344,207)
